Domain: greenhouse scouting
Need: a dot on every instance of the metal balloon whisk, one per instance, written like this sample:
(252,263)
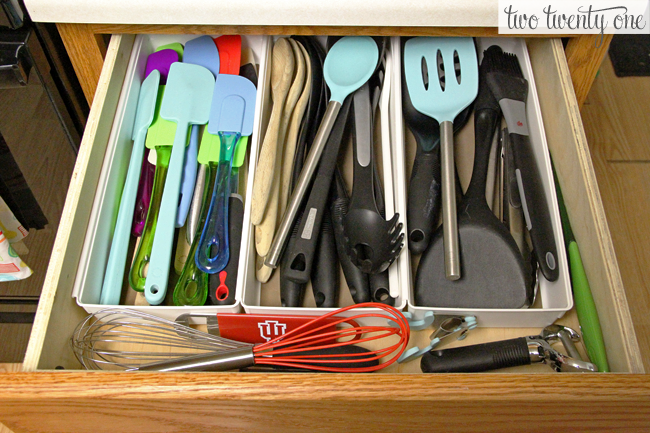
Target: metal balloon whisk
(124,339)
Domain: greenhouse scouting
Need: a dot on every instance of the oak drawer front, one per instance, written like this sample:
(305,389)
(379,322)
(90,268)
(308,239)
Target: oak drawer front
(58,313)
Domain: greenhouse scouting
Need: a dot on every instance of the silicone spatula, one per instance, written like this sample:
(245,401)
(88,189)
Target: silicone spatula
(112,286)
(229,53)
(160,61)
(248,69)
(200,51)
(186,102)
(231,116)
(349,64)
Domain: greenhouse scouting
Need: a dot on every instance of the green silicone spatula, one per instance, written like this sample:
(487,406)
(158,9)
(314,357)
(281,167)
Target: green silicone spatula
(186,101)
(348,65)
(112,286)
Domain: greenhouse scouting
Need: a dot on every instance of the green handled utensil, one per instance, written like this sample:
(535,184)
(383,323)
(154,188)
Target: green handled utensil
(112,287)
(348,65)
(592,334)
(186,101)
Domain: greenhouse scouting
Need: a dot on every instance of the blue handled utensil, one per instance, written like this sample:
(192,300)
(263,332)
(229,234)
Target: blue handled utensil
(186,102)
(200,51)
(112,286)
(231,117)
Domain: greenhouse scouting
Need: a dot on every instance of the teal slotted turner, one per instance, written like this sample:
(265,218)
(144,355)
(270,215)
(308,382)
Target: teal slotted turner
(187,102)
(231,117)
(429,97)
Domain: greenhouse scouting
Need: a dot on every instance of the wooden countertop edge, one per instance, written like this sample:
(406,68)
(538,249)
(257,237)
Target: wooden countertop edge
(263,386)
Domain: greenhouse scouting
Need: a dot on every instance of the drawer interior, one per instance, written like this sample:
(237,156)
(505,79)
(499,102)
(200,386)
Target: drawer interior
(58,313)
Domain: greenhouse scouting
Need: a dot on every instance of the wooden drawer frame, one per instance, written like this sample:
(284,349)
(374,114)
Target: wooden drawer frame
(44,400)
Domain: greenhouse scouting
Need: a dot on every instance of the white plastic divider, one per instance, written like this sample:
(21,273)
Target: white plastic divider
(99,231)
(555,298)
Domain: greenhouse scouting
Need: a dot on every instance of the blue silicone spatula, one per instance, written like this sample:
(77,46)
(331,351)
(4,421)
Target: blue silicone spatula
(231,117)
(112,286)
(186,101)
(348,65)
(200,51)
(429,97)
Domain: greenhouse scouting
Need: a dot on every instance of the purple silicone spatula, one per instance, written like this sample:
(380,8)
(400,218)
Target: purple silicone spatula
(159,61)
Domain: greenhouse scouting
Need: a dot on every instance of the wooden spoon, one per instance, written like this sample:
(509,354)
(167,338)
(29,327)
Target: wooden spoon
(264,232)
(281,76)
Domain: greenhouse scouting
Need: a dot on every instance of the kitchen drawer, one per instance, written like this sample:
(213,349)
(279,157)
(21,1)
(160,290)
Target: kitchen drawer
(41,398)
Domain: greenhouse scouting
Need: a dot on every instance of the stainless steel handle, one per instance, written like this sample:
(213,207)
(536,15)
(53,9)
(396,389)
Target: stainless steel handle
(275,252)
(449,220)
(219,361)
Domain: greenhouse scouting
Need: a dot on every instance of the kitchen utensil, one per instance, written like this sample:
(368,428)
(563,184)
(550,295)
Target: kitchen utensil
(193,284)
(423,205)
(159,60)
(445,327)
(507,353)
(112,286)
(100,342)
(494,273)
(356,280)
(254,328)
(282,68)
(223,284)
(158,139)
(186,101)
(248,70)
(300,251)
(592,334)
(325,281)
(510,88)
(229,47)
(429,97)
(199,51)
(231,116)
(265,230)
(371,242)
(348,65)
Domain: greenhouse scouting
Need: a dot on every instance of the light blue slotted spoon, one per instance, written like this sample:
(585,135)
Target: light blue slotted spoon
(231,117)
(421,59)
(348,65)
(112,286)
(187,102)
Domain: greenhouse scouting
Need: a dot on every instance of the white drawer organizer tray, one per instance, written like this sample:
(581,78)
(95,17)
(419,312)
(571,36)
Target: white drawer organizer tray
(554,298)
(265,298)
(98,235)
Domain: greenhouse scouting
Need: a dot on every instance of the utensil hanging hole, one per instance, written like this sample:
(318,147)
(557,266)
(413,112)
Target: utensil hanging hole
(299,263)
(212,251)
(425,73)
(417,236)
(457,66)
(382,295)
(319,298)
(190,289)
(222,293)
(441,70)
(154,290)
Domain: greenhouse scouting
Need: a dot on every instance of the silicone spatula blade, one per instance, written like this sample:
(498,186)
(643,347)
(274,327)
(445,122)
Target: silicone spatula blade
(111,288)
(200,51)
(186,102)
(231,116)
(230,52)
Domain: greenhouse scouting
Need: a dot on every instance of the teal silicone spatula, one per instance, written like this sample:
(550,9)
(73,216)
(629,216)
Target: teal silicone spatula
(200,51)
(231,116)
(186,102)
(112,286)
(348,65)
(429,97)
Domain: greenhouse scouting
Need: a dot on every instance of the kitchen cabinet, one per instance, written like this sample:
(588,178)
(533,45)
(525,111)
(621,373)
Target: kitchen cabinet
(44,399)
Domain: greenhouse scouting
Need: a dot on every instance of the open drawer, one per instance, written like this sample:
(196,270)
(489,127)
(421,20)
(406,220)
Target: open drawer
(74,400)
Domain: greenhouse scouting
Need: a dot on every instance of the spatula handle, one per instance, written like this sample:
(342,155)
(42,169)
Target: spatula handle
(273,257)
(449,220)
(137,278)
(112,287)
(158,273)
(214,252)
(189,177)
